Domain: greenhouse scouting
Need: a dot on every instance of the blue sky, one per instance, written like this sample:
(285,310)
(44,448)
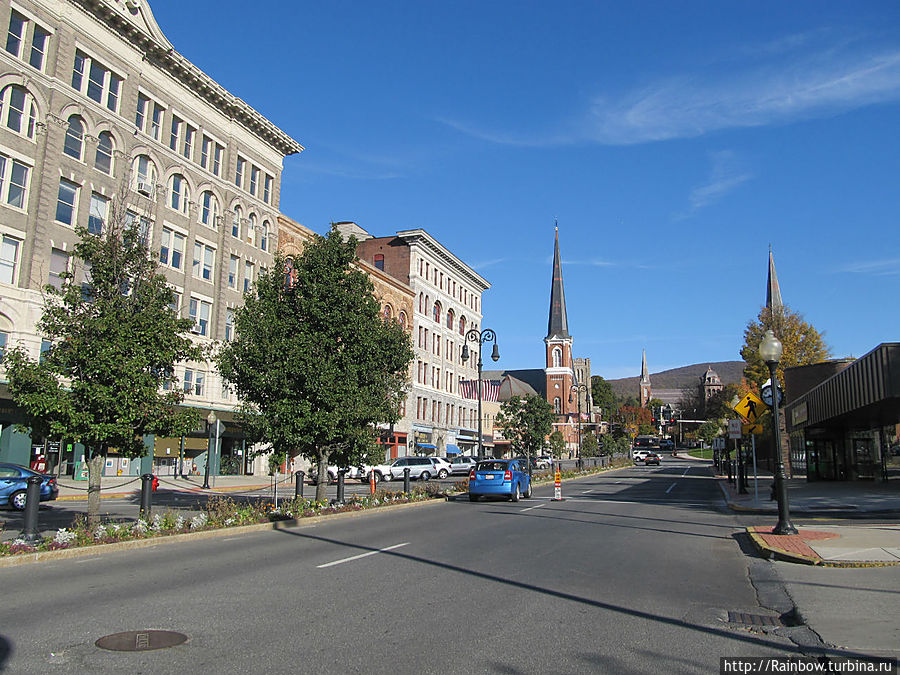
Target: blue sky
(674,142)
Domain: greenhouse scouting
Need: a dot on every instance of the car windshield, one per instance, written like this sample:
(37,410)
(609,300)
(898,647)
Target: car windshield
(492,466)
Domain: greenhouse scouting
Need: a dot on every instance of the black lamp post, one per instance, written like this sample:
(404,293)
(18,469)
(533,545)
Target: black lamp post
(578,388)
(770,350)
(480,337)
(213,442)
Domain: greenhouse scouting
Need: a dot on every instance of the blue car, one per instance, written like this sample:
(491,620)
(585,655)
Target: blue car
(499,477)
(14,483)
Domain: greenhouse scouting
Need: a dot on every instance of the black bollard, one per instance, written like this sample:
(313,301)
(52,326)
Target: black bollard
(742,473)
(406,480)
(298,484)
(30,532)
(728,467)
(146,490)
(340,487)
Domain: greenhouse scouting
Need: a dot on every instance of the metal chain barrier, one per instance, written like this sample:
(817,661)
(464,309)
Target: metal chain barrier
(88,489)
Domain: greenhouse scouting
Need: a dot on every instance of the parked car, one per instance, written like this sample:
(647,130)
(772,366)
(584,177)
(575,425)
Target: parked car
(14,484)
(349,472)
(543,462)
(499,477)
(651,458)
(462,464)
(421,468)
(442,466)
(667,444)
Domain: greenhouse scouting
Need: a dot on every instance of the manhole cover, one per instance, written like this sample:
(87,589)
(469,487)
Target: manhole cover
(141,640)
(753,619)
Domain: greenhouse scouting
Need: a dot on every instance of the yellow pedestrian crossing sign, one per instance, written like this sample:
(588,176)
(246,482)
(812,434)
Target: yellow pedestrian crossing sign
(747,429)
(750,407)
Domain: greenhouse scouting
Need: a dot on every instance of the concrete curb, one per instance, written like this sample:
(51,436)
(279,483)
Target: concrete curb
(774,553)
(100,549)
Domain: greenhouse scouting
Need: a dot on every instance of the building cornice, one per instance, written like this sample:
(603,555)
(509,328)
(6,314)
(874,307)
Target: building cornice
(421,238)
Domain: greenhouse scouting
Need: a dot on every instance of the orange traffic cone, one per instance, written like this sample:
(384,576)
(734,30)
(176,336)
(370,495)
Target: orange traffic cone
(557,487)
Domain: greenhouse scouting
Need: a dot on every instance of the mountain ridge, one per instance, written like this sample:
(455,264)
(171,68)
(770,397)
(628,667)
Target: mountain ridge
(730,372)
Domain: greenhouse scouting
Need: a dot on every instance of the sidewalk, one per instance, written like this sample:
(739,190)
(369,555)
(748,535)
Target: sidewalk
(843,545)
(126,486)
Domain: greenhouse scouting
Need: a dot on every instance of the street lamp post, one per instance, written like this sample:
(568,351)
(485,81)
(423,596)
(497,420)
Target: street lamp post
(480,337)
(578,388)
(212,420)
(770,350)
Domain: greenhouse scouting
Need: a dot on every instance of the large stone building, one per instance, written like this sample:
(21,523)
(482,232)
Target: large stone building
(101,115)
(447,296)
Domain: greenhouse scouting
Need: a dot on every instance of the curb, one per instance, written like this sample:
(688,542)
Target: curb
(771,552)
(190,491)
(100,549)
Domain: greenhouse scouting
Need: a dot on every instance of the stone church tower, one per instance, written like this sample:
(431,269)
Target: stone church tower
(559,372)
(645,381)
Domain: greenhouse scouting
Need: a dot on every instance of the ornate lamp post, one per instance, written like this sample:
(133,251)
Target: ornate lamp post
(211,420)
(480,337)
(577,388)
(770,350)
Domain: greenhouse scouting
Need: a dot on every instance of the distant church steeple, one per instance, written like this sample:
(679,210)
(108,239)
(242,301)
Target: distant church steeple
(645,380)
(559,371)
(773,290)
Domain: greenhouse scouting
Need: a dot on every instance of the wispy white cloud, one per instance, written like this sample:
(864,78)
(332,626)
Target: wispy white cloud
(726,174)
(880,268)
(790,79)
(487,263)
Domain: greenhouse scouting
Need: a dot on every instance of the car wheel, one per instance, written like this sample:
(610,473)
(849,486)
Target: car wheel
(17,500)
(377,477)
(527,494)
(424,475)
(443,473)
(514,497)
(385,477)
(473,498)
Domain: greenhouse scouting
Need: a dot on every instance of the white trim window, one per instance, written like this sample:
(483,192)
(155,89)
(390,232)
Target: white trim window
(204,261)
(74,143)
(66,200)
(171,248)
(254,179)
(211,153)
(236,222)
(251,229)
(239,172)
(264,236)
(103,158)
(229,325)
(199,311)
(193,382)
(9,259)
(98,213)
(14,182)
(267,189)
(21,28)
(144,176)
(141,226)
(179,193)
(248,275)
(19,113)
(148,116)
(96,81)
(59,265)
(209,209)
(181,137)
(233,265)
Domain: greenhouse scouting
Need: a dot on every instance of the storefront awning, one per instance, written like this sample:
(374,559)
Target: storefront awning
(428,446)
(452,449)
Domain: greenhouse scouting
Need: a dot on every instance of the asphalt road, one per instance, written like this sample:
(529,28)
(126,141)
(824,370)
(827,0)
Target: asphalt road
(634,573)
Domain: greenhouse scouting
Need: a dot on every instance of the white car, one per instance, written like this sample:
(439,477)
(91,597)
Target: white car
(639,455)
(420,468)
(543,462)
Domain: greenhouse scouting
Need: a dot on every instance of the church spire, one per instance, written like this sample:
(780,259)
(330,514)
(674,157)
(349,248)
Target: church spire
(645,389)
(773,291)
(558,325)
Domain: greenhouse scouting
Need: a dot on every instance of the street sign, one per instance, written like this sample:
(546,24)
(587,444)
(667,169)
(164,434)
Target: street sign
(748,429)
(750,407)
(734,429)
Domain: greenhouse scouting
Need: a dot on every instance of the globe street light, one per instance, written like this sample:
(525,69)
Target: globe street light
(578,388)
(211,420)
(480,337)
(770,351)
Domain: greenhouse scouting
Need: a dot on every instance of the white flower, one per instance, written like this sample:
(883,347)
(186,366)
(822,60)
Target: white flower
(18,542)
(198,521)
(140,526)
(229,521)
(63,536)
(179,522)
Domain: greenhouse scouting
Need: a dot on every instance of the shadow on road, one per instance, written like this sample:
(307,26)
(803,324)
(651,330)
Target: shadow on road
(6,651)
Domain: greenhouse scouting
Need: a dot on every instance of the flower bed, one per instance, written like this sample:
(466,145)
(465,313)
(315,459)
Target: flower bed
(219,512)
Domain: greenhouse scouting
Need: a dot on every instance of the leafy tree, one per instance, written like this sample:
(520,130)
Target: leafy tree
(114,343)
(633,419)
(603,397)
(557,444)
(526,421)
(589,445)
(313,360)
(709,430)
(802,344)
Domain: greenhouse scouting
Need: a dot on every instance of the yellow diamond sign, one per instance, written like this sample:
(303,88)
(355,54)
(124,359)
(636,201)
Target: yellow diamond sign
(750,407)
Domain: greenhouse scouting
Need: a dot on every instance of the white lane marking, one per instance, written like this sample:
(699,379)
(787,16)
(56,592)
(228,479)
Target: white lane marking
(584,492)
(685,472)
(362,555)
(534,507)
(670,488)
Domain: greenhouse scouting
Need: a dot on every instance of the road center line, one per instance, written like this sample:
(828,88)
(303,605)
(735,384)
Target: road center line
(685,472)
(670,488)
(362,555)
(533,507)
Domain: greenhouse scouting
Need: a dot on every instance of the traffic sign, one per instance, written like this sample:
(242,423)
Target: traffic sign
(748,429)
(750,407)
(734,429)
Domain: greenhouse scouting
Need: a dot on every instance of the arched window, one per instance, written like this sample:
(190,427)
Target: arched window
(436,312)
(74,138)
(103,159)
(401,319)
(209,209)
(179,193)
(264,236)
(462,325)
(421,303)
(144,175)
(388,313)
(557,357)
(236,222)
(251,229)
(451,319)
(557,405)
(18,110)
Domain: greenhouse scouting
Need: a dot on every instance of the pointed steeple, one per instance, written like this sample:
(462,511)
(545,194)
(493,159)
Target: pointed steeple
(645,376)
(773,291)
(558,325)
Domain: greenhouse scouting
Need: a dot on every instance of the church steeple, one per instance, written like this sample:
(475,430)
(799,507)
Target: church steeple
(558,325)
(645,380)
(773,290)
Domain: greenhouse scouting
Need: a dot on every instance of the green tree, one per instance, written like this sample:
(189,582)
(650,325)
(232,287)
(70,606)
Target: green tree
(589,445)
(802,344)
(113,344)
(526,422)
(709,430)
(603,397)
(557,444)
(313,361)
